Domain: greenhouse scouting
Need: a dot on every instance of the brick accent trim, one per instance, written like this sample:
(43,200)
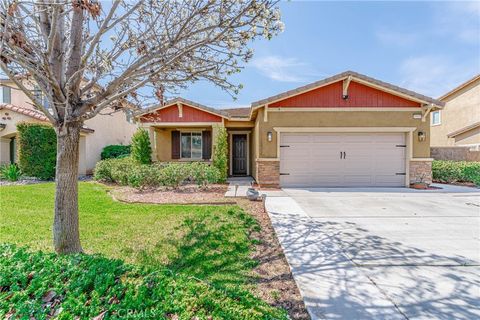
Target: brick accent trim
(268,173)
(419,168)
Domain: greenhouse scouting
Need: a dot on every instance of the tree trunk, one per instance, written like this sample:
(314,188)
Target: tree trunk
(66,235)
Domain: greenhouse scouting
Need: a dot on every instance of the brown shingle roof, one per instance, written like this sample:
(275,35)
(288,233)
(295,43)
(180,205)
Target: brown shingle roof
(460,87)
(171,102)
(340,76)
(238,112)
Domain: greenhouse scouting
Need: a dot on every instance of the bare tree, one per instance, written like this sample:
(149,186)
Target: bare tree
(87,58)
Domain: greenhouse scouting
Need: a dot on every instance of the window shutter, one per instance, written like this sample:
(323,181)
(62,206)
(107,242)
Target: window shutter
(206,145)
(175,144)
(7,95)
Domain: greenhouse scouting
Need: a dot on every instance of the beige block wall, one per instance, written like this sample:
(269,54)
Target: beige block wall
(461,109)
(340,119)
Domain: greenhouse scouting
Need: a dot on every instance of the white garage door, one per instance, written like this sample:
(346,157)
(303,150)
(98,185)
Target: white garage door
(342,159)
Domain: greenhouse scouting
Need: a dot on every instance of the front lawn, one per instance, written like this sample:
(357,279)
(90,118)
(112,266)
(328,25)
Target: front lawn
(199,250)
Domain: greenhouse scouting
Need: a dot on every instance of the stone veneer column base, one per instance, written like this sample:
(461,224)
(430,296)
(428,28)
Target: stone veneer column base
(421,168)
(268,173)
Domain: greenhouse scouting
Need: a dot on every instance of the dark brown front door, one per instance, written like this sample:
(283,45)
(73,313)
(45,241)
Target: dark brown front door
(239,154)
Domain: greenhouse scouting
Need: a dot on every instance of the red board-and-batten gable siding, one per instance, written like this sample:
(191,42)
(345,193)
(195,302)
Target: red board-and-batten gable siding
(359,96)
(170,114)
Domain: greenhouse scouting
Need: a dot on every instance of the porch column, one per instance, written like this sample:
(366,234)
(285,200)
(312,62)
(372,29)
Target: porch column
(215,129)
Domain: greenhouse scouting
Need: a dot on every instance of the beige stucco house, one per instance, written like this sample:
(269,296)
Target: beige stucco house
(346,130)
(97,133)
(458,124)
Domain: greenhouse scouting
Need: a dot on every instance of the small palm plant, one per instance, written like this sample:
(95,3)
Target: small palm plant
(10,172)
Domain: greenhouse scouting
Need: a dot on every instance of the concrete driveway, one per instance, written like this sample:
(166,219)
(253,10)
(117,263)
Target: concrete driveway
(382,253)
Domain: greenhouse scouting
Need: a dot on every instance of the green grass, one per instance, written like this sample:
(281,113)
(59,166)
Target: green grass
(209,243)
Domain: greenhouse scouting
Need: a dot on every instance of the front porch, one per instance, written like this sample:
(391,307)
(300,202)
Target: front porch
(182,130)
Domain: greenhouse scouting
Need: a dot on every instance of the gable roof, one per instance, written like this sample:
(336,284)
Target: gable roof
(393,89)
(463,130)
(460,87)
(189,103)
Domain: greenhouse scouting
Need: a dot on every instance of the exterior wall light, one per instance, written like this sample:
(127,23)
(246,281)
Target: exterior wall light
(269,136)
(421,136)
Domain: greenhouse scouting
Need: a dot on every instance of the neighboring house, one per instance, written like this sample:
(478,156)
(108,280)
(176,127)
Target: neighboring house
(97,133)
(346,130)
(458,124)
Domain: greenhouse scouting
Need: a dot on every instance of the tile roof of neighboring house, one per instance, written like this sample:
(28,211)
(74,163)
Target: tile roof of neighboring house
(340,76)
(174,101)
(463,130)
(28,112)
(34,114)
(238,112)
(460,87)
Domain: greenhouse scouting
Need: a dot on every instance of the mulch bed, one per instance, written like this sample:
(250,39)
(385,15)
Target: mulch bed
(275,282)
(187,194)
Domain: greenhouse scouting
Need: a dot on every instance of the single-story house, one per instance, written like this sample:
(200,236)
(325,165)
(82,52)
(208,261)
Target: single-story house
(105,129)
(458,124)
(345,130)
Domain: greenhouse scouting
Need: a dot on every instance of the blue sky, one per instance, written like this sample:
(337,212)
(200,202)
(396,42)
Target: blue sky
(428,47)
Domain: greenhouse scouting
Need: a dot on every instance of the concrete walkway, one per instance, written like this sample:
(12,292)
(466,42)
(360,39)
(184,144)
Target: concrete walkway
(382,253)
(238,186)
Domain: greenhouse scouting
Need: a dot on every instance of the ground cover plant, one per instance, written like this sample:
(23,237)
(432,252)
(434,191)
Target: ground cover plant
(456,171)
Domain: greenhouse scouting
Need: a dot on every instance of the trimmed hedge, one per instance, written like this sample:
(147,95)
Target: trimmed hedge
(456,171)
(126,171)
(45,286)
(115,151)
(37,150)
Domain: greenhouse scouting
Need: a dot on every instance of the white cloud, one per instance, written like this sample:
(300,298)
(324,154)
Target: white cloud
(280,69)
(434,75)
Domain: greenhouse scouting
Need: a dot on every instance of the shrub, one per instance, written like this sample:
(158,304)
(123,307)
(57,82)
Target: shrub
(115,170)
(141,149)
(144,176)
(37,285)
(115,151)
(203,173)
(220,154)
(126,171)
(37,150)
(456,171)
(174,174)
(10,172)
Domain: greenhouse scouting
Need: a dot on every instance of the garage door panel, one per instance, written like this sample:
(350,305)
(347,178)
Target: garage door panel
(313,159)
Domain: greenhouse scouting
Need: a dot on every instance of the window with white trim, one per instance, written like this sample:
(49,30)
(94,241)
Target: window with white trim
(191,145)
(435,118)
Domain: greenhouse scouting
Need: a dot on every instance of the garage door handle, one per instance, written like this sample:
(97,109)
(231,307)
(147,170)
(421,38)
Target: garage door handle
(344,155)
(341,154)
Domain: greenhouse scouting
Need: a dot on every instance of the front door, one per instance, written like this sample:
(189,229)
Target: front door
(239,154)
